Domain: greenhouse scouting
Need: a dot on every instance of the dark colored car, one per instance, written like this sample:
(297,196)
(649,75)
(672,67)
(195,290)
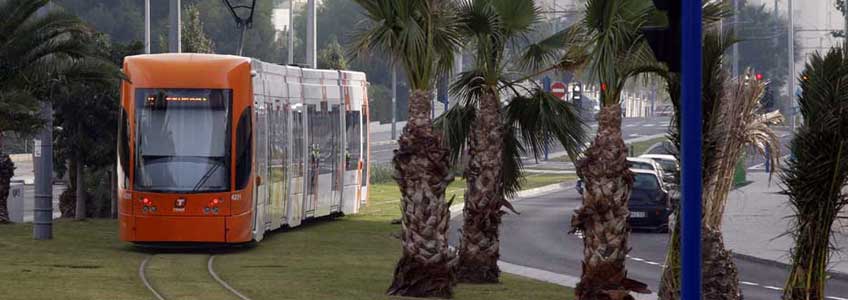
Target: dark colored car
(649,202)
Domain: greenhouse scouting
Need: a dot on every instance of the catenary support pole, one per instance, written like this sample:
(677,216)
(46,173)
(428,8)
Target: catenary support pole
(43,158)
(394,102)
(735,45)
(691,131)
(175,31)
(291,32)
(147,26)
(791,61)
(311,40)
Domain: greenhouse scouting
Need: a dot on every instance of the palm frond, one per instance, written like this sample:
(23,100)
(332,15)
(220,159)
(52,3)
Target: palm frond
(512,173)
(541,118)
(455,125)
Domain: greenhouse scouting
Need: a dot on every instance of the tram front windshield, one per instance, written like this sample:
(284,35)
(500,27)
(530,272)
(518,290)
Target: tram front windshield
(183,140)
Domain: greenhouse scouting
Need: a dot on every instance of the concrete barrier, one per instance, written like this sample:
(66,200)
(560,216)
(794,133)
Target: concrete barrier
(15,202)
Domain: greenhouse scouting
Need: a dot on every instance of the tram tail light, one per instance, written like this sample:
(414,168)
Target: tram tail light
(146,201)
(214,202)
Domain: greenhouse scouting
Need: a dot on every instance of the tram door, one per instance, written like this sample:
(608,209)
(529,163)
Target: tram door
(297,167)
(261,134)
(277,168)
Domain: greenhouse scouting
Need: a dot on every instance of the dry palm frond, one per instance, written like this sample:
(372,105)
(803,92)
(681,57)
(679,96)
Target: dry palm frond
(737,123)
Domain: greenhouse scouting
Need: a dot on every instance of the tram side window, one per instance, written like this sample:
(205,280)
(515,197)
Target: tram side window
(124,149)
(244,146)
(353,140)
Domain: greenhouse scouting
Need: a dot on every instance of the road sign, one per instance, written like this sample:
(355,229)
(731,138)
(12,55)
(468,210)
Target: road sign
(558,89)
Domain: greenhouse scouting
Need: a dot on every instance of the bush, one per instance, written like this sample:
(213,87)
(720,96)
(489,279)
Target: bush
(381,174)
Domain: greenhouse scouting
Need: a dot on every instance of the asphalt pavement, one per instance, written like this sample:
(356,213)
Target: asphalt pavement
(538,238)
(382,146)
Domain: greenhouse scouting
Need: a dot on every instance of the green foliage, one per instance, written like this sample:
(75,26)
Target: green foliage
(762,44)
(123,20)
(332,56)
(194,39)
(817,172)
(381,174)
(420,36)
(380,104)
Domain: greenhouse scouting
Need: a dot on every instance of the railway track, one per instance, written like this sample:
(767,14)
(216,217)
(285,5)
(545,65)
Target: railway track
(159,294)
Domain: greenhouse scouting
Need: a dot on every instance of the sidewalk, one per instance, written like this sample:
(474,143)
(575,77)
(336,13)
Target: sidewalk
(757,217)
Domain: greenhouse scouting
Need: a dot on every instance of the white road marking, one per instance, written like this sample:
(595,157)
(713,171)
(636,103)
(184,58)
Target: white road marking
(749,283)
(835,298)
(648,125)
(652,263)
(661,124)
(630,125)
(637,259)
(634,135)
(772,287)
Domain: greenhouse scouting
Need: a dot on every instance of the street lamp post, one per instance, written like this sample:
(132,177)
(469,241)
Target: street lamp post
(147,26)
(43,158)
(311,39)
(175,32)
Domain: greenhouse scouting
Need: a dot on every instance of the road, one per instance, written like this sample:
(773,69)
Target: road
(539,238)
(382,150)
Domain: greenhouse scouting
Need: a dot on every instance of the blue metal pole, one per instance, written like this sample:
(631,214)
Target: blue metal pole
(691,131)
(547,85)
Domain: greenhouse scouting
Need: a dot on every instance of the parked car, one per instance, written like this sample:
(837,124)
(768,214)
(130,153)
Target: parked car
(649,203)
(636,163)
(669,164)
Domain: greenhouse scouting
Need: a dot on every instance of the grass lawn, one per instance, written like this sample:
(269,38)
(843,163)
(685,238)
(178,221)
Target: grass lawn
(348,258)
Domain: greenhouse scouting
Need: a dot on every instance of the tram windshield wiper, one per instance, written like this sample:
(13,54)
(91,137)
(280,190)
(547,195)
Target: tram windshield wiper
(206,176)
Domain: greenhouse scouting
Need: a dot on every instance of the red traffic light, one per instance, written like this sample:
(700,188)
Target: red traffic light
(759,76)
(603,86)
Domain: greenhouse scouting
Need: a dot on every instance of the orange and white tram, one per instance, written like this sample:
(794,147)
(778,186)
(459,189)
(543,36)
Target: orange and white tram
(221,149)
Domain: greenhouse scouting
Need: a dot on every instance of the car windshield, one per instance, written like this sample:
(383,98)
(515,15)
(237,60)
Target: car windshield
(182,140)
(643,181)
(668,166)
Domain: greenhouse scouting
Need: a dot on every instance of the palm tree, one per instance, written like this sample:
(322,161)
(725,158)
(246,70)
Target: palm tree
(30,47)
(493,170)
(817,172)
(616,50)
(733,119)
(421,36)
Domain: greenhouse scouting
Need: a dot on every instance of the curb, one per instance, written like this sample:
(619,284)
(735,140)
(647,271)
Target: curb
(774,263)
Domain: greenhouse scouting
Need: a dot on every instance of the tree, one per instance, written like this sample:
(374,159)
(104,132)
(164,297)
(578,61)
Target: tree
(31,48)
(493,171)
(421,37)
(123,20)
(194,40)
(609,36)
(817,172)
(762,46)
(332,56)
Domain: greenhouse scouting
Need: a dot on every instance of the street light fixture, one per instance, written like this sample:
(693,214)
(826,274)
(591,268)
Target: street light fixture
(242,11)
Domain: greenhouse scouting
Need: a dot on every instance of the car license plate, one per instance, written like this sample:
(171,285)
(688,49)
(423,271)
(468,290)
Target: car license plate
(637,214)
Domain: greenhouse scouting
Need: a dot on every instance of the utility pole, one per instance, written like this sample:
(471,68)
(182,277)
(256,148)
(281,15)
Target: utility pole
(147,26)
(394,102)
(43,158)
(736,45)
(791,53)
(291,32)
(175,34)
(311,38)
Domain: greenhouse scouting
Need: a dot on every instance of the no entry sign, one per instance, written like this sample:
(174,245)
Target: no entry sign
(558,89)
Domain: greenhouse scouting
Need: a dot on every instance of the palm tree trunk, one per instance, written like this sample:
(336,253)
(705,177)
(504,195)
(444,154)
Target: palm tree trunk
(79,211)
(7,170)
(720,277)
(479,246)
(603,216)
(422,172)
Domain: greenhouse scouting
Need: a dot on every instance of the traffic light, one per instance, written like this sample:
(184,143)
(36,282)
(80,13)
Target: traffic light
(665,40)
(759,76)
(577,92)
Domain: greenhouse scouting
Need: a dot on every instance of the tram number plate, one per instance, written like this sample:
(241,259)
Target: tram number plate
(637,214)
